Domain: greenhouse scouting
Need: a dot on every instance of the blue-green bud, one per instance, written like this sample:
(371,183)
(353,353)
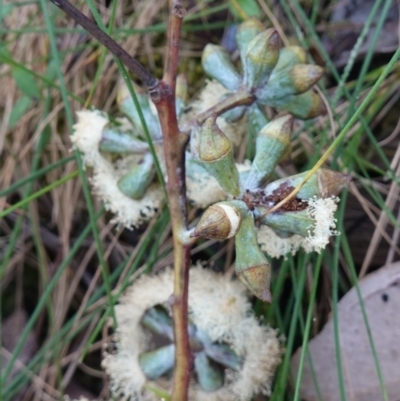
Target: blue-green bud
(114,140)
(262,54)
(135,182)
(272,144)
(217,64)
(251,265)
(215,152)
(209,376)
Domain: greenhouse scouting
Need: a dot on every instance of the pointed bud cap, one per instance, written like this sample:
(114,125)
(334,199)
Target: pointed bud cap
(304,76)
(262,54)
(257,278)
(247,31)
(215,152)
(217,64)
(280,129)
(331,183)
(220,221)
(213,143)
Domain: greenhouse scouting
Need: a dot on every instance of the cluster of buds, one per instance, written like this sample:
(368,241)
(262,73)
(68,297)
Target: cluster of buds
(276,77)
(306,221)
(234,357)
(240,196)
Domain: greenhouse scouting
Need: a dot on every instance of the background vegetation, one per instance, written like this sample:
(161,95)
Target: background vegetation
(63,265)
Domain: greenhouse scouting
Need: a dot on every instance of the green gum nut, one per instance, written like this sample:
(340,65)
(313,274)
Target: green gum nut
(221,220)
(247,31)
(114,140)
(158,321)
(215,151)
(290,223)
(251,265)
(217,64)
(272,144)
(156,363)
(298,79)
(181,93)
(127,106)
(323,184)
(135,182)
(209,376)
(262,54)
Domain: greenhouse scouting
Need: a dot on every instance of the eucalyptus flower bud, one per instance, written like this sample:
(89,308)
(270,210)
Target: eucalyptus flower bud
(215,151)
(273,142)
(223,354)
(158,321)
(262,54)
(135,182)
(300,78)
(251,264)
(127,106)
(209,376)
(217,64)
(181,93)
(156,363)
(306,105)
(115,141)
(323,183)
(221,220)
(247,31)
(287,223)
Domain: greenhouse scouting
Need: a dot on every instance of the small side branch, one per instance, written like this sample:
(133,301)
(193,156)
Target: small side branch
(138,69)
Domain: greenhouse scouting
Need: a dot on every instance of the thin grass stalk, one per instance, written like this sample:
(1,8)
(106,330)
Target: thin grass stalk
(307,329)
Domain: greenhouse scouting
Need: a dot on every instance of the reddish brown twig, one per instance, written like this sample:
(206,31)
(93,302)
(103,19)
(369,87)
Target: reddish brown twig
(174,142)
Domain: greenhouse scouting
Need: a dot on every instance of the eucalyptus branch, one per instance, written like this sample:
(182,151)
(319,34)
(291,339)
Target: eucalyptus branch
(174,143)
(133,65)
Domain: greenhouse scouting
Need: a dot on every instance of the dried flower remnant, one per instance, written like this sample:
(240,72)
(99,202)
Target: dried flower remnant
(320,212)
(128,212)
(224,326)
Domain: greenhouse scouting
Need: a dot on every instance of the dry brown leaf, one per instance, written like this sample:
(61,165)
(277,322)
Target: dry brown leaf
(381,297)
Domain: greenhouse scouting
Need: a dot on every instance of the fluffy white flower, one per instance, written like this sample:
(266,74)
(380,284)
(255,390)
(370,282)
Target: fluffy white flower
(218,306)
(128,212)
(322,211)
